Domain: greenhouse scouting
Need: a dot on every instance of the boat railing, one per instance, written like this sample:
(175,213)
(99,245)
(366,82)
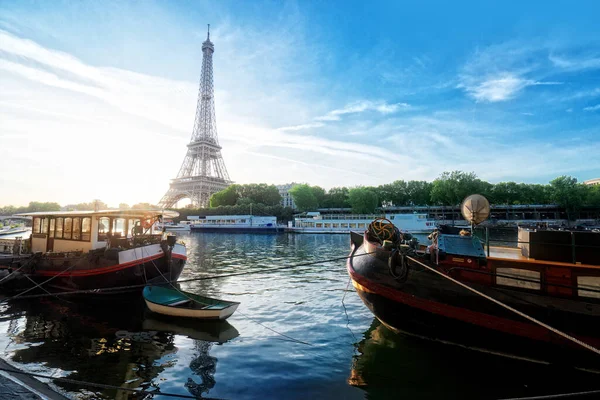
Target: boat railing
(576,250)
(13,246)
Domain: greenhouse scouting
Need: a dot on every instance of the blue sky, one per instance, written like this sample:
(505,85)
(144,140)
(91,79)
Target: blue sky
(98,98)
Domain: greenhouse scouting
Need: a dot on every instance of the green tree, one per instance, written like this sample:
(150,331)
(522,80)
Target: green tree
(8,210)
(319,194)
(451,188)
(226,197)
(124,206)
(304,197)
(259,193)
(144,206)
(35,206)
(566,192)
(393,194)
(418,193)
(593,196)
(336,197)
(363,200)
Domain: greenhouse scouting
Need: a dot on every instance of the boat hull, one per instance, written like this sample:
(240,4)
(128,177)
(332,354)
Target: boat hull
(429,305)
(192,313)
(248,229)
(110,272)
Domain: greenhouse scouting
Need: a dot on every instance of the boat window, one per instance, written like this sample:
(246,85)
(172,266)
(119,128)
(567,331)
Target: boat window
(59,228)
(37,223)
(352,225)
(76,228)
(588,286)
(335,225)
(52,226)
(44,228)
(86,229)
(319,225)
(521,278)
(68,228)
(131,224)
(118,227)
(103,228)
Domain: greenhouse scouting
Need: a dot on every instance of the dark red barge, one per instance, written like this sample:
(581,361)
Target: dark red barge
(559,287)
(110,251)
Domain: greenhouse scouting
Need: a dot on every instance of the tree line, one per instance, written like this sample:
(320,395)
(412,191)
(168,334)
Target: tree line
(37,206)
(449,189)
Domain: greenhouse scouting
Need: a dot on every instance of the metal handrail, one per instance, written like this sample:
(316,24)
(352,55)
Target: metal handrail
(572,245)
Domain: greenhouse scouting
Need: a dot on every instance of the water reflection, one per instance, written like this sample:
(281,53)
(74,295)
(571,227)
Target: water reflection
(129,348)
(387,363)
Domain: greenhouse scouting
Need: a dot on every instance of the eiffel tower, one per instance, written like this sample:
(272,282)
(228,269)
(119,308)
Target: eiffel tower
(203,171)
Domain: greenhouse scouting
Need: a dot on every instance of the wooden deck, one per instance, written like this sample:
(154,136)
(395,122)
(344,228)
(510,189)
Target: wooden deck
(514,254)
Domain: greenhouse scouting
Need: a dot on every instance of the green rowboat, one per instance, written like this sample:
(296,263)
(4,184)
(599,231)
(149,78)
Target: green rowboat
(177,303)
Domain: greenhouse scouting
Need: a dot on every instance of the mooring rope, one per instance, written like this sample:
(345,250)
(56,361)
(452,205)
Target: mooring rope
(506,306)
(202,278)
(346,311)
(37,285)
(557,396)
(239,312)
(104,386)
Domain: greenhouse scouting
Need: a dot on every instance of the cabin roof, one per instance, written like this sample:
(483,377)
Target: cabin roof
(105,213)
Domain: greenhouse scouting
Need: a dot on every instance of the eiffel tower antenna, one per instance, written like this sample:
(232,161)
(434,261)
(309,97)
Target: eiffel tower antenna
(203,171)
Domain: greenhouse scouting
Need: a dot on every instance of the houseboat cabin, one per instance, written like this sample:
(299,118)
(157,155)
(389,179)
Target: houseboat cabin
(64,231)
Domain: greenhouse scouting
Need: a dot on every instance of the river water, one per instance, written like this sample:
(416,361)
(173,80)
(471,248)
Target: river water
(258,352)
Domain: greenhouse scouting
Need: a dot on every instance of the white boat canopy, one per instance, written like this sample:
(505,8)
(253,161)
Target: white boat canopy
(141,214)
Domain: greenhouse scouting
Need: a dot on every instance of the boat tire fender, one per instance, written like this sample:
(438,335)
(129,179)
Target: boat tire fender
(398,266)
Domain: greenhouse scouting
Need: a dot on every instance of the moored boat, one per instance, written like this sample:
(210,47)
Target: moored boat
(7,230)
(557,283)
(177,303)
(170,226)
(235,224)
(315,222)
(108,251)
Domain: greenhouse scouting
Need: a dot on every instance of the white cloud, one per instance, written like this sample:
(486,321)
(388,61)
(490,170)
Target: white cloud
(575,64)
(592,108)
(53,103)
(362,106)
(301,127)
(501,87)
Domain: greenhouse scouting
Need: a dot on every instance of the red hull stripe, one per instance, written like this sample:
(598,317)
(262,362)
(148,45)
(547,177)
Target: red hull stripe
(463,314)
(107,270)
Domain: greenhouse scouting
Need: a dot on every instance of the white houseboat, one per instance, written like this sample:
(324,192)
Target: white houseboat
(93,250)
(170,226)
(235,224)
(315,222)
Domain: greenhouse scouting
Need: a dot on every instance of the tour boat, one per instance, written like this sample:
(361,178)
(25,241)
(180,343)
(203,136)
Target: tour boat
(7,230)
(462,291)
(235,224)
(177,303)
(170,226)
(105,251)
(315,222)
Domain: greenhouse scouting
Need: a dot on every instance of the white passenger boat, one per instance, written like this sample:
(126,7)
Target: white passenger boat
(315,222)
(170,226)
(235,224)
(7,230)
